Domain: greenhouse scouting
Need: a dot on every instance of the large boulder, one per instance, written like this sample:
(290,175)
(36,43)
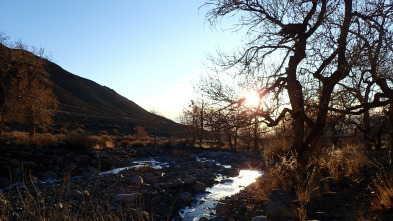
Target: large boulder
(50,175)
(151,178)
(199,187)
(190,180)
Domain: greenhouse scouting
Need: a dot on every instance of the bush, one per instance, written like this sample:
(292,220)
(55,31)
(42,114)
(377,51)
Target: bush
(140,132)
(85,142)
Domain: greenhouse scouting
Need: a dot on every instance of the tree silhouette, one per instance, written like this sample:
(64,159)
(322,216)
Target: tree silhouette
(313,47)
(29,96)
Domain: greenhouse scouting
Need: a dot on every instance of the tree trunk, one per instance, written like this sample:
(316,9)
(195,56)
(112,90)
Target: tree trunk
(31,123)
(255,133)
(235,140)
(2,103)
(379,139)
(229,137)
(390,117)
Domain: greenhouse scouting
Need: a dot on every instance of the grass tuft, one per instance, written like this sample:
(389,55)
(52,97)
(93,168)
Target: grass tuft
(383,195)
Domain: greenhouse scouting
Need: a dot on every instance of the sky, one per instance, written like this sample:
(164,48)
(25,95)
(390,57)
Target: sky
(149,51)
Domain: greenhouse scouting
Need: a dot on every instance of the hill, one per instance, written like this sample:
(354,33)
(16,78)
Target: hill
(92,107)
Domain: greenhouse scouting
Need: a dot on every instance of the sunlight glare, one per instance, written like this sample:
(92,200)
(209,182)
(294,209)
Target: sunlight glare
(252,99)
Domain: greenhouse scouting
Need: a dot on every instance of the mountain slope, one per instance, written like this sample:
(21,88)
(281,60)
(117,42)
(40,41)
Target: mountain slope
(93,107)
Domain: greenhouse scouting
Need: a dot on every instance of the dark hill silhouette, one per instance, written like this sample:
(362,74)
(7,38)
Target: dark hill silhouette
(93,107)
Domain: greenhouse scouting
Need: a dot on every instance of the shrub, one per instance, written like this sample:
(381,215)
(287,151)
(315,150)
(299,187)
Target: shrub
(140,132)
(85,142)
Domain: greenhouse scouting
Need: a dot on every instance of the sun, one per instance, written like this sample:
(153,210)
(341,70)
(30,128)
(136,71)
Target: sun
(252,99)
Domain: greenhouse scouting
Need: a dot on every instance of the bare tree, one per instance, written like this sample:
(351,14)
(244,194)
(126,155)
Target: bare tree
(313,45)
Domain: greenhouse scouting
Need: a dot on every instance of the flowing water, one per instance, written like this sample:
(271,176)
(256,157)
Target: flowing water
(205,202)
(227,187)
(153,163)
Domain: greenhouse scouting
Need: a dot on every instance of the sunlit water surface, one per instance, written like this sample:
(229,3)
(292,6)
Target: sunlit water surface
(206,202)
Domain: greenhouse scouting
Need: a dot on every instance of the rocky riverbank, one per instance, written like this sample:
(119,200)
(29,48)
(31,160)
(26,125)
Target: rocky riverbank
(146,193)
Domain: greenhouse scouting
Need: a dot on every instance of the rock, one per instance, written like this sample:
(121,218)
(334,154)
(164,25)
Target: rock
(87,174)
(202,172)
(92,170)
(59,205)
(38,153)
(165,185)
(176,184)
(185,197)
(82,158)
(127,198)
(13,163)
(4,182)
(25,154)
(199,187)
(49,175)
(30,164)
(220,207)
(137,181)
(260,218)
(278,205)
(150,178)
(144,215)
(77,194)
(190,180)
(72,167)
(258,213)
(203,219)
(226,181)
(219,218)
(59,160)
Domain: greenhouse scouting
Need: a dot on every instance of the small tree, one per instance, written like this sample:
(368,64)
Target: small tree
(30,97)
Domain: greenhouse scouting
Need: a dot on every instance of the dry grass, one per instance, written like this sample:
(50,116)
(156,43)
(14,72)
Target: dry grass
(29,203)
(85,142)
(343,162)
(40,139)
(383,195)
(310,181)
(276,148)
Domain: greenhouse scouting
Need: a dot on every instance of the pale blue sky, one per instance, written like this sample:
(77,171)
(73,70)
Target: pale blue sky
(150,51)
